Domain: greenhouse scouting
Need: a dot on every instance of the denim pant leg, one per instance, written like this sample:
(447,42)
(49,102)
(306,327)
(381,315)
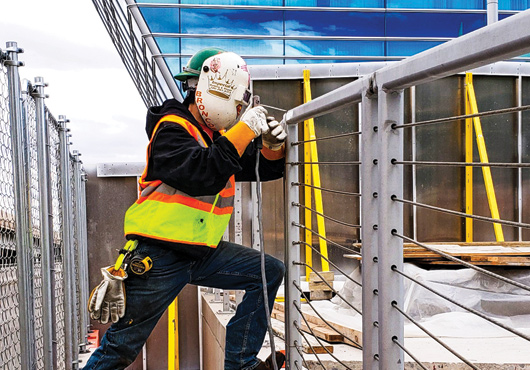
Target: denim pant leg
(146,301)
(232,266)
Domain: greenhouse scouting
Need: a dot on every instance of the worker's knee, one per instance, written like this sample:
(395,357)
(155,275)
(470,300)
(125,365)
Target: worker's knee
(275,270)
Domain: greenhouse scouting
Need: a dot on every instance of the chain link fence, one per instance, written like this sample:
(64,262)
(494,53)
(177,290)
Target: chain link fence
(43,323)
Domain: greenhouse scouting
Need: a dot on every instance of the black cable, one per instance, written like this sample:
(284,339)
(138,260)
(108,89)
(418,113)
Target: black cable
(262,250)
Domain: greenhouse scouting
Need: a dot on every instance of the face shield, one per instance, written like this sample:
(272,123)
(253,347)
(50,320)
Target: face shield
(222,92)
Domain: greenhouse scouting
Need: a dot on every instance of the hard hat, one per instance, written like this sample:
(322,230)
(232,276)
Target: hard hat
(223,90)
(193,68)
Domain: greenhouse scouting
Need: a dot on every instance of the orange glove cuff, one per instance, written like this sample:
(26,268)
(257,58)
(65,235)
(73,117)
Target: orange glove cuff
(273,155)
(240,136)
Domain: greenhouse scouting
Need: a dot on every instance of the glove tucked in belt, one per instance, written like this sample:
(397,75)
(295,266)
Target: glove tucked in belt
(107,300)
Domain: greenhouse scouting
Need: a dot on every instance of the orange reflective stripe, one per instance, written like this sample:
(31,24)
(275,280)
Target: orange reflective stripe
(191,202)
(174,241)
(192,130)
(229,191)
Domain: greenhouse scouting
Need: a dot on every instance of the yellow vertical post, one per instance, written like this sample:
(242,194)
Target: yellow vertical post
(316,176)
(469,169)
(308,202)
(173,336)
(483,154)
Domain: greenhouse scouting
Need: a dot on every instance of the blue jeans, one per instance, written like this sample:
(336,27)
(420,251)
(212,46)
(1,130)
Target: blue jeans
(229,266)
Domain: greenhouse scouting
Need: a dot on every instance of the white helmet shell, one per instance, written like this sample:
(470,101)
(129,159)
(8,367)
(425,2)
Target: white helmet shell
(223,90)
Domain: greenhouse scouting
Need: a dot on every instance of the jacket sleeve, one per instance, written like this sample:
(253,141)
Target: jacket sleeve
(268,169)
(178,160)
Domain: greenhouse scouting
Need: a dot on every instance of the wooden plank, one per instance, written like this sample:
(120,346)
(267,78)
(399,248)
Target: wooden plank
(351,333)
(322,332)
(309,345)
(325,275)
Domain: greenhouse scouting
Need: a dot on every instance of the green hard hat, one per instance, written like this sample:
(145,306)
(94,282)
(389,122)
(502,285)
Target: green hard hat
(193,68)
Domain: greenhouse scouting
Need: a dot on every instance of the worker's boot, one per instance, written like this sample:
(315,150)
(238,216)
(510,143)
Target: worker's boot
(268,365)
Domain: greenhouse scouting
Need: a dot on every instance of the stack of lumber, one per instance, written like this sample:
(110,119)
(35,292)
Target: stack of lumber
(321,285)
(477,253)
(316,326)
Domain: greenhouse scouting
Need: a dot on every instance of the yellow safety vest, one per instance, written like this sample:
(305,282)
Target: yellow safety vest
(165,213)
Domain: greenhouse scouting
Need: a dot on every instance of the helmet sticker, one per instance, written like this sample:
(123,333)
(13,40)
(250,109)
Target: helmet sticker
(215,65)
(221,85)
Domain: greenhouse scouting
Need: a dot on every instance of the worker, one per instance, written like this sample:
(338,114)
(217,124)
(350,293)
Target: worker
(197,150)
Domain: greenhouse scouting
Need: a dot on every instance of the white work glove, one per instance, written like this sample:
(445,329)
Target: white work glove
(107,300)
(256,120)
(275,138)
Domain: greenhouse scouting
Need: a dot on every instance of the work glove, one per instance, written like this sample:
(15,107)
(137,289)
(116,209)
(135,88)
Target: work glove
(256,120)
(275,138)
(107,300)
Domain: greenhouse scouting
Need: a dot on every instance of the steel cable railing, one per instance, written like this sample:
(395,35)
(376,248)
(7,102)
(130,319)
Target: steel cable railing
(328,285)
(463,116)
(300,142)
(355,343)
(396,340)
(326,239)
(326,216)
(330,262)
(472,310)
(327,190)
(411,319)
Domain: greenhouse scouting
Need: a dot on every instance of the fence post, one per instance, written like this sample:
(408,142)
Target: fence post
(70,324)
(390,251)
(46,231)
(81,252)
(292,254)
(22,209)
(369,220)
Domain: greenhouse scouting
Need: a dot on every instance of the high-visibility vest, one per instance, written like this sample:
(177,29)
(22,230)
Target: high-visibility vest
(165,213)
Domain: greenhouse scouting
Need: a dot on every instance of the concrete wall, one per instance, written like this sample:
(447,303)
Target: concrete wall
(107,200)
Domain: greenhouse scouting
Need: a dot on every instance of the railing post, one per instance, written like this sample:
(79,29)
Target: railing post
(369,220)
(22,208)
(46,231)
(70,324)
(81,252)
(390,218)
(292,254)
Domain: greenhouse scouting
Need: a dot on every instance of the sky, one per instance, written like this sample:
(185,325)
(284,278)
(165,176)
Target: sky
(66,43)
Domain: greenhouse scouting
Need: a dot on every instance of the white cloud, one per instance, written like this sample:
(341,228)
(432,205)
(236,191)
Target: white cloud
(66,43)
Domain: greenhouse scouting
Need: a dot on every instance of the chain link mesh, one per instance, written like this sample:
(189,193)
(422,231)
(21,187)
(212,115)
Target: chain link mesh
(9,308)
(10,342)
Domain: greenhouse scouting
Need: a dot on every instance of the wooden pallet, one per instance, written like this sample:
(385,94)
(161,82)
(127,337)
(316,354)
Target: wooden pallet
(477,253)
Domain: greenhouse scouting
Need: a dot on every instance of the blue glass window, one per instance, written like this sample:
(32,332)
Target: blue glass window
(334,23)
(232,22)
(436,4)
(174,65)
(358,48)
(408,48)
(337,3)
(168,45)
(241,47)
(161,20)
(235,2)
(514,4)
(433,24)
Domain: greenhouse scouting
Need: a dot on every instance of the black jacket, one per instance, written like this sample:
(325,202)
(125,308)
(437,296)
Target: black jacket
(178,160)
